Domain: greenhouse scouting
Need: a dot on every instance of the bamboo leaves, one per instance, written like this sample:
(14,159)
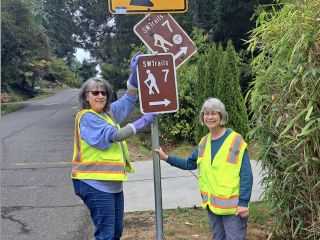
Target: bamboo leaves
(287,125)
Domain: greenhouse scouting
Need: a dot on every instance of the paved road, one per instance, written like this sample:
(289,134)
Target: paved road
(37,196)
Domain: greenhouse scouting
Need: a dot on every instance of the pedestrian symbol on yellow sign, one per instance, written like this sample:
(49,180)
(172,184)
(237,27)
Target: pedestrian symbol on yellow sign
(153,84)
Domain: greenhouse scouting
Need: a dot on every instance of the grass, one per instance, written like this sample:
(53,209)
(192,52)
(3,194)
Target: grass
(42,95)
(183,151)
(259,213)
(10,108)
(137,111)
(140,141)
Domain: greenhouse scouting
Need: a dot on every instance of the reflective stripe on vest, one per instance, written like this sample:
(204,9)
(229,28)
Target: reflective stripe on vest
(107,167)
(204,196)
(201,150)
(224,203)
(77,137)
(235,149)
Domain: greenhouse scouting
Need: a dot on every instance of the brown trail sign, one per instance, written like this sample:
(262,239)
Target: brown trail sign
(157,83)
(161,33)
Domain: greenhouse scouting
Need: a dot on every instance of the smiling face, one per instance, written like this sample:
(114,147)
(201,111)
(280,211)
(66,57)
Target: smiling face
(97,103)
(211,118)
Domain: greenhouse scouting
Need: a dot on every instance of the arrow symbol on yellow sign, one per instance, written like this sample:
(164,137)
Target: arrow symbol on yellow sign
(166,102)
(182,51)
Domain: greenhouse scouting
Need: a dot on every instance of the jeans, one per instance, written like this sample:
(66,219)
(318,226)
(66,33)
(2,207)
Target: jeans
(227,227)
(106,210)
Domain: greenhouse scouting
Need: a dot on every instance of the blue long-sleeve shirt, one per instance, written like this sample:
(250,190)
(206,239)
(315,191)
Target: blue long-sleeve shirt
(100,134)
(246,178)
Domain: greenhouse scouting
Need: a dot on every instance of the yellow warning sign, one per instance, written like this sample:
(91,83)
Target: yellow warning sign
(147,6)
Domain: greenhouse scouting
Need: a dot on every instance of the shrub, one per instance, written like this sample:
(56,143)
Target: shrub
(179,126)
(229,92)
(286,109)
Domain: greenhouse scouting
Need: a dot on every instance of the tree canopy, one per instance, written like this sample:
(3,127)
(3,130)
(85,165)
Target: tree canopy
(24,47)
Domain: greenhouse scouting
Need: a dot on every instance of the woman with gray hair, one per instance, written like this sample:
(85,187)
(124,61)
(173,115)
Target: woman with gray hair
(224,171)
(101,159)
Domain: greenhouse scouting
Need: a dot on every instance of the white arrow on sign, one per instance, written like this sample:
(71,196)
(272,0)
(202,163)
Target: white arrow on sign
(182,51)
(166,102)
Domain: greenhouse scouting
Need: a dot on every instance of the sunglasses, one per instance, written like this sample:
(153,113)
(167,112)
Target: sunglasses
(96,93)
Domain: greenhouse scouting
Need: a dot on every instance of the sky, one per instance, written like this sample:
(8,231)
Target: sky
(81,54)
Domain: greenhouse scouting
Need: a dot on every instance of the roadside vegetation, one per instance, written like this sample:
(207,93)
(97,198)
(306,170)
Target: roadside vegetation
(10,108)
(285,103)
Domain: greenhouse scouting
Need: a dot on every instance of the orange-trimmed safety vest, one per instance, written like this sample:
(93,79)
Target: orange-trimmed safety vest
(219,182)
(92,163)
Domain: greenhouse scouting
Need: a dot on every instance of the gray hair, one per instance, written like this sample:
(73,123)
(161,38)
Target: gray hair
(86,88)
(216,105)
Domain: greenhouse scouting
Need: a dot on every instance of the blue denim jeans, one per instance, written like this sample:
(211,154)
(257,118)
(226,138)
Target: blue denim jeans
(106,210)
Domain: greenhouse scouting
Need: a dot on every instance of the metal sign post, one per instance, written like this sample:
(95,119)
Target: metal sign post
(157,177)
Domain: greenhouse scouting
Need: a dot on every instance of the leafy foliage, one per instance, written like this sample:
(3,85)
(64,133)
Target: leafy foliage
(24,48)
(230,19)
(58,71)
(285,104)
(179,126)
(86,70)
(229,92)
(115,75)
(200,89)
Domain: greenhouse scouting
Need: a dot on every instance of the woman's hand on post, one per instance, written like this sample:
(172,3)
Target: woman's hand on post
(242,212)
(162,155)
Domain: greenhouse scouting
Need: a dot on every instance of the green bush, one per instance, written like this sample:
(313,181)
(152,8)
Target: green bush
(286,113)
(229,92)
(179,126)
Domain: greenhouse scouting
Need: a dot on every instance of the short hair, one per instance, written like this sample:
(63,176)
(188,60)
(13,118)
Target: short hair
(216,105)
(86,88)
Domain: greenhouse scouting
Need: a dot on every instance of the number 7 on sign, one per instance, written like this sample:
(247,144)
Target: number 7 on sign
(166,71)
(167,22)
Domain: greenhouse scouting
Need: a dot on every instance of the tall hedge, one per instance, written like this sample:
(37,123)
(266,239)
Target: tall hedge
(285,101)
(200,97)
(229,92)
(220,54)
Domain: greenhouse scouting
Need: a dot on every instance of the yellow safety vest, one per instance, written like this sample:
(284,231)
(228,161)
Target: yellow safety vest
(92,163)
(219,182)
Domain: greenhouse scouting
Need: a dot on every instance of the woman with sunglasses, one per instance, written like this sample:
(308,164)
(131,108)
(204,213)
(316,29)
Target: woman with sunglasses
(224,173)
(101,158)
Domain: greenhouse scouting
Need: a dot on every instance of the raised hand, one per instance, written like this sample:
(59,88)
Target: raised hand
(133,74)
